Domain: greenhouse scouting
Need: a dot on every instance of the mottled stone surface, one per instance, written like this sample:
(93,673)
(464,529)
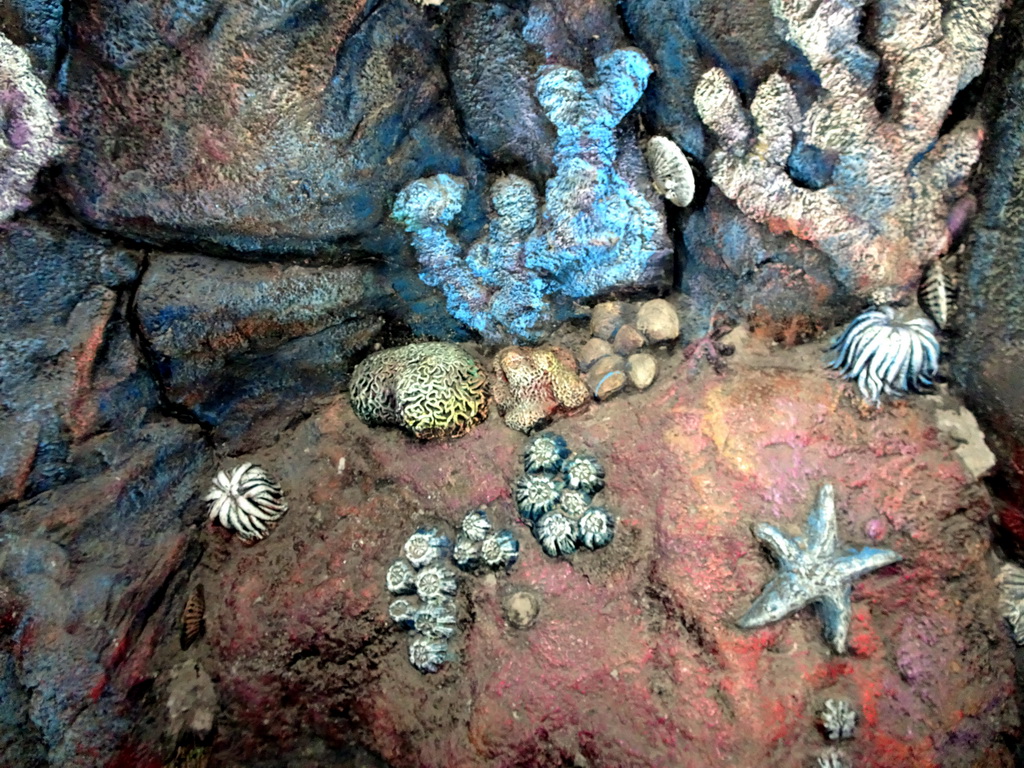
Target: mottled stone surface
(233,341)
(634,658)
(69,368)
(282,125)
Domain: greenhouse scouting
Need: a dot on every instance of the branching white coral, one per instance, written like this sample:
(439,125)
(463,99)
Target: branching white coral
(28,129)
(885,355)
(839,719)
(882,211)
(246,501)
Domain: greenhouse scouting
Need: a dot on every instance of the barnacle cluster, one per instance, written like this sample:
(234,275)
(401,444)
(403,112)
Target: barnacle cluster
(246,501)
(885,355)
(477,544)
(426,607)
(432,389)
(555,497)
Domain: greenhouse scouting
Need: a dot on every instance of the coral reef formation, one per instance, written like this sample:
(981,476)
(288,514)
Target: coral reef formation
(596,230)
(1010,580)
(245,500)
(432,618)
(432,389)
(532,385)
(887,356)
(838,719)
(814,569)
(555,497)
(28,133)
(871,189)
(478,543)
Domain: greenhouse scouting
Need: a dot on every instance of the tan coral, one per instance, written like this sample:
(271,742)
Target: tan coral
(532,385)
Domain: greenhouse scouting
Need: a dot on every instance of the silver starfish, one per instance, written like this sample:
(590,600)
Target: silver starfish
(814,569)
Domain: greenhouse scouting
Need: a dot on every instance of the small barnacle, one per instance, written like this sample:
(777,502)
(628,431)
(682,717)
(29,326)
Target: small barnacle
(937,293)
(401,579)
(192,617)
(670,171)
(597,527)
(466,553)
(536,494)
(436,620)
(500,550)
(246,501)
(584,473)
(425,546)
(838,719)
(475,525)
(573,504)
(832,759)
(556,534)
(402,612)
(545,453)
(435,582)
(427,654)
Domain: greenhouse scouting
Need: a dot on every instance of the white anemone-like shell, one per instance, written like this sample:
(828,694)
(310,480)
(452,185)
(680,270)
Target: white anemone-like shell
(670,171)
(245,500)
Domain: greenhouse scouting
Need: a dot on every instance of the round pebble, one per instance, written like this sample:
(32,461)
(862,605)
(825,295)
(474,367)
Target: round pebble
(658,321)
(606,318)
(521,609)
(641,369)
(607,377)
(628,340)
(593,351)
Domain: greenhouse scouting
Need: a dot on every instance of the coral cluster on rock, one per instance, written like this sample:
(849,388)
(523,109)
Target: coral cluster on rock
(872,188)
(245,500)
(814,569)
(432,389)
(885,355)
(533,385)
(596,230)
(429,611)
(555,497)
(28,131)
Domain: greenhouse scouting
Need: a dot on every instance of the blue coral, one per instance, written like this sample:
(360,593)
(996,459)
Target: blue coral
(584,473)
(500,550)
(595,231)
(545,453)
(536,495)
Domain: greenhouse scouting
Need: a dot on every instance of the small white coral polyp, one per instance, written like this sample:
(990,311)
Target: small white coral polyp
(886,355)
(246,501)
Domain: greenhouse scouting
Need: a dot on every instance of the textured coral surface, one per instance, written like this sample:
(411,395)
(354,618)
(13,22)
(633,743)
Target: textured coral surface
(634,658)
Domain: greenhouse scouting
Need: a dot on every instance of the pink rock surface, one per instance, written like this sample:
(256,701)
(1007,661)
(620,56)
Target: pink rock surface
(634,659)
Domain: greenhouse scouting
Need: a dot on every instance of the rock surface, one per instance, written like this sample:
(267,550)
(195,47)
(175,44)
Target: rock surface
(280,125)
(634,658)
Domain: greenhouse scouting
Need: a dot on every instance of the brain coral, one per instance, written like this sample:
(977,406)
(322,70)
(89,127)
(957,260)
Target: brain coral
(432,389)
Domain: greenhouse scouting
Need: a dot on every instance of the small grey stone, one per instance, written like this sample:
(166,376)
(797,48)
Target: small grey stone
(593,351)
(628,340)
(521,609)
(607,376)
(607,318)
(641,369)
(658,321)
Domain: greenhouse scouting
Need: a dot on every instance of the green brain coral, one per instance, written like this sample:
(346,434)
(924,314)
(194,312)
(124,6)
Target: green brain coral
(432,389)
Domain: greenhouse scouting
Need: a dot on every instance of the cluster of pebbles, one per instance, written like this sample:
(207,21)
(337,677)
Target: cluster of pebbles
(555,497)
(426,586)
(615,355)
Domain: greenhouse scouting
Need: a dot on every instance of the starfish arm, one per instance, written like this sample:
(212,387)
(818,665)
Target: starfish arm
(782,547)
(781,596)
(835,611)
(822,528)
(865,561)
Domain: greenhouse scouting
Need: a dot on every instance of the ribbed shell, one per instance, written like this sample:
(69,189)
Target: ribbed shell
(192,617)
(670,171)
(937,293)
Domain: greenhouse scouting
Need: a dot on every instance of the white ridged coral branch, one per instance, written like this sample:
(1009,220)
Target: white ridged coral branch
(882,211)
(28,129)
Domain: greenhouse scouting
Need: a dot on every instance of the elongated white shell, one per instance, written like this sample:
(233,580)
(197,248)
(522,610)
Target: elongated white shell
(670,171)
(937,293)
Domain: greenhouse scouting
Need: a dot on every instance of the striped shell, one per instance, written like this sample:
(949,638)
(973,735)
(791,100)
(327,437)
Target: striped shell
(246,501)
(670,171)
(192,617)
(1011,598)
(937,293)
